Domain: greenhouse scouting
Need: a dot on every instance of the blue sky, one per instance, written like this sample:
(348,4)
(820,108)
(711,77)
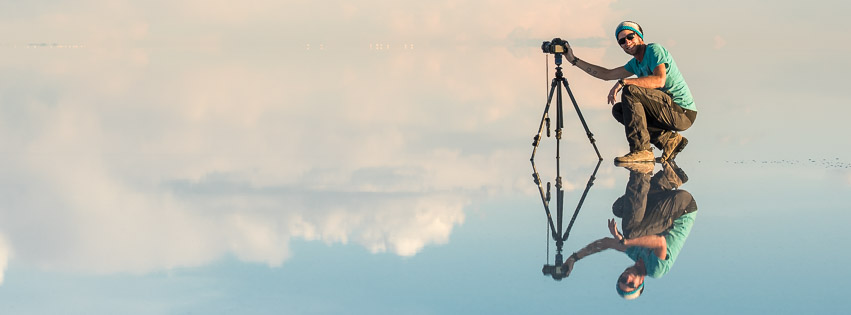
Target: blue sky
(176,133)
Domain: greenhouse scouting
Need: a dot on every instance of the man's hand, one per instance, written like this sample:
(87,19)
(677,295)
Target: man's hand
(613,228)
(614,92)
(569,54)
(568,264)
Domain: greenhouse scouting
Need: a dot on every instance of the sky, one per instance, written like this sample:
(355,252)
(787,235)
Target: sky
(143,136)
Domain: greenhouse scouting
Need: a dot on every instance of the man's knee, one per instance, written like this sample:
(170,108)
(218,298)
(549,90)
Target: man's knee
(682,197)
(631,95)
(631,90)
(617,112)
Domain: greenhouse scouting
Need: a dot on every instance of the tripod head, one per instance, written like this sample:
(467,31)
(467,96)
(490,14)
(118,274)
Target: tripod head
(557,60)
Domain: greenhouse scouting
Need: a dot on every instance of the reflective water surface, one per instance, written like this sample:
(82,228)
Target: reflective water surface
(172,159)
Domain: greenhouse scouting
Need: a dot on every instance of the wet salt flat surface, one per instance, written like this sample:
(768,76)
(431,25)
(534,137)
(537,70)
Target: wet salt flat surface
(167,159)
(765,239)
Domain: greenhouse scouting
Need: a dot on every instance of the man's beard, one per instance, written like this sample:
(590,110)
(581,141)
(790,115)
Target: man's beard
(636,49)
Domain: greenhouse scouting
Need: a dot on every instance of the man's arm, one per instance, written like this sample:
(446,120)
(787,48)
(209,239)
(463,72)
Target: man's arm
(654,242)
(602,73)
(596,247)
(653,81)
(593,248)
(657,243)
(595,70)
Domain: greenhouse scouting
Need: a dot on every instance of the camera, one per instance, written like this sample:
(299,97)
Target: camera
(556,46)
(558,272)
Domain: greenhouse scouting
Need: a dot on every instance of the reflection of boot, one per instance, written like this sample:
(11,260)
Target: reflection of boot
(643,168)
(673,146)
(677,170)
(636,156)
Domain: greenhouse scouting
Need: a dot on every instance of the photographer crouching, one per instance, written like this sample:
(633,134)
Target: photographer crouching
(655,105)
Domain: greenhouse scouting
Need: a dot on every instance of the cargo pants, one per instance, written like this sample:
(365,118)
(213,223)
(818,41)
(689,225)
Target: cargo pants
(650,116)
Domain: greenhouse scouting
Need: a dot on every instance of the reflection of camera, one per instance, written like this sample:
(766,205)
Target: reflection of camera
(556,46)
(558,272)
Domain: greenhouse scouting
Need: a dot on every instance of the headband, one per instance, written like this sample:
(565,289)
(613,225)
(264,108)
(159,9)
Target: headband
(629,25)
(631,294)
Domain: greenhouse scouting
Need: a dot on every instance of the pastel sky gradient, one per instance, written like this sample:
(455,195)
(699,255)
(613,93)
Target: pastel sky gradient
(181,132)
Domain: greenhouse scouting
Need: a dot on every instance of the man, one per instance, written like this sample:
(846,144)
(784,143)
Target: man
(655,105)
(656,218)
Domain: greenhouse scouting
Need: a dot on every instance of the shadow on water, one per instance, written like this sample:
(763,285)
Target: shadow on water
(656,216)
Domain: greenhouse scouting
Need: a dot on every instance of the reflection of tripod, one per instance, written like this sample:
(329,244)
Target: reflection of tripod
(557,270)
(558,81)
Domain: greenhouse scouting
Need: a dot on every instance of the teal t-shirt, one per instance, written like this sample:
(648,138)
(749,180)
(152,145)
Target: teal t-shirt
(675,85)
(675,237)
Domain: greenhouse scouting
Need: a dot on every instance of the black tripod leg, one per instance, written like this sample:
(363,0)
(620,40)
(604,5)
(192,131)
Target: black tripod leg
(559,187)
(544,118)
(559,109)
(559,214)
(545,199)
(582,119)
(582,200)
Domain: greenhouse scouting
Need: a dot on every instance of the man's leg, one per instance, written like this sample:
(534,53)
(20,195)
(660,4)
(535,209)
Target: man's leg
(662,118)
(631,116)
(659,137)
(632,205)
(670,142)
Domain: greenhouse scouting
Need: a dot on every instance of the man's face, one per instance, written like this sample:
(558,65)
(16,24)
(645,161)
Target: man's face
(630,279)
(629,41)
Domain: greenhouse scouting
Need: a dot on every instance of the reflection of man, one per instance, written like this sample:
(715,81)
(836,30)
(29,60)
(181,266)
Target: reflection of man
(656,219)
(655,105)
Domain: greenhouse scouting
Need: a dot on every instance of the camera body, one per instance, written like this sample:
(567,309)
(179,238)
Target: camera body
(558,272)
(556,46)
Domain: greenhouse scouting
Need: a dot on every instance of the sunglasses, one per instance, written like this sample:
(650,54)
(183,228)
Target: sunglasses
(622,280)
(622,41)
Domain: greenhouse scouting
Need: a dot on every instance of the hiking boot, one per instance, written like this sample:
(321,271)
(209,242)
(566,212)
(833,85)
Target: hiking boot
(643,168)
(636,156)
(672,147)
(677,170)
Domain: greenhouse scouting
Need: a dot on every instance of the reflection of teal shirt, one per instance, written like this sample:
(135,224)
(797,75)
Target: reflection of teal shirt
(675,237)
(675,85)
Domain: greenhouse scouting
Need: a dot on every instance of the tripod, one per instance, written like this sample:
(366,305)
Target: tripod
(555,87)
(557,270)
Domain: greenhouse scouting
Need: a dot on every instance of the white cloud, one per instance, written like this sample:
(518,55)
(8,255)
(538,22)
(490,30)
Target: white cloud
(340,145)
